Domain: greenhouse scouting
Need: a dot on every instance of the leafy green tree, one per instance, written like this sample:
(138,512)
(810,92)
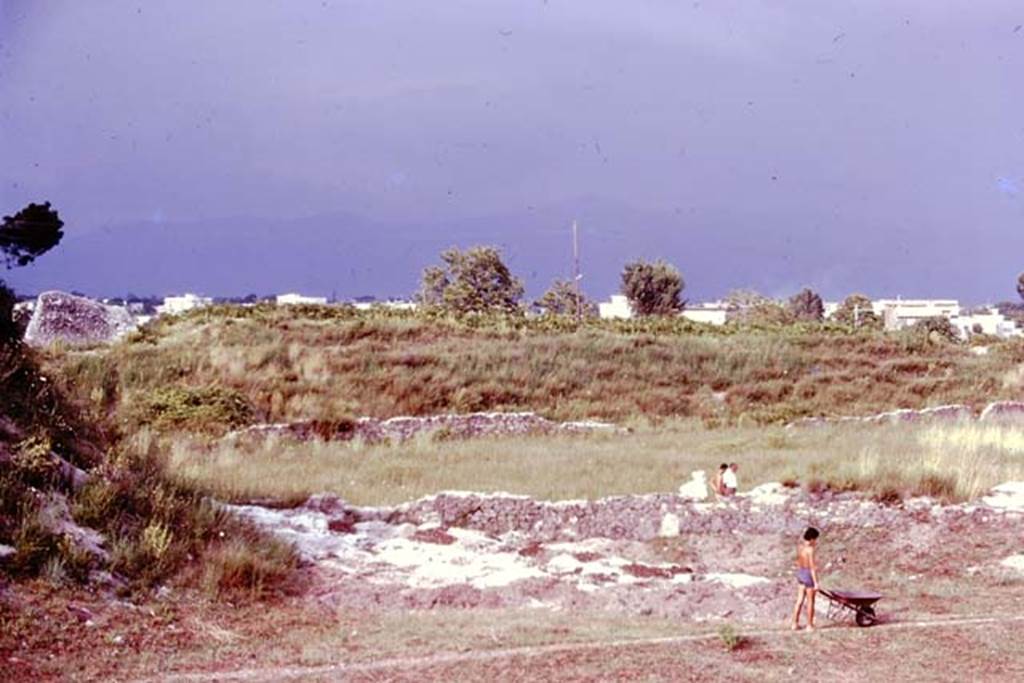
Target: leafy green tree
(745,306)
(30,233)
(471,281)
(653,288)
(561,299)
(25,236)
(856,310)
(806,306)
(938,328)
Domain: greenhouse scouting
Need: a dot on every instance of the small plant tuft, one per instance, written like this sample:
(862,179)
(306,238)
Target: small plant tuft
(731,638)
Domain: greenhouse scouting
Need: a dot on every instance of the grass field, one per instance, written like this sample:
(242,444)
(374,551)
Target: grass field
(951,462)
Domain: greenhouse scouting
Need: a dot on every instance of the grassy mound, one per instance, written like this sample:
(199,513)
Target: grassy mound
(220,367)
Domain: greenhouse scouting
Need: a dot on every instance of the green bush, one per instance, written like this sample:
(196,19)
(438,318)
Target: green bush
(198,409)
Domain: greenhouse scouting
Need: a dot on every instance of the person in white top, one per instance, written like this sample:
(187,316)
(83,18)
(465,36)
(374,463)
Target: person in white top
(729,481)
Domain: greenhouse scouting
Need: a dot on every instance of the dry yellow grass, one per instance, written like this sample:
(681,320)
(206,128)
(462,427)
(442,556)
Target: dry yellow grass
(953,462)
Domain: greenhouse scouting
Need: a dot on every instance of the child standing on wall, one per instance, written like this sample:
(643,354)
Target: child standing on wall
(806,577)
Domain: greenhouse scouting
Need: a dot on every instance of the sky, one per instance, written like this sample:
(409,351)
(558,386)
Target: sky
(335,147)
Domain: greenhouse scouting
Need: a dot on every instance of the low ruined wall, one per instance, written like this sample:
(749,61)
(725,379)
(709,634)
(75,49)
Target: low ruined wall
(998,411)
(465,426)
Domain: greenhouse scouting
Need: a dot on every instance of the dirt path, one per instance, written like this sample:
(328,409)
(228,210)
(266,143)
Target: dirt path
(454,658)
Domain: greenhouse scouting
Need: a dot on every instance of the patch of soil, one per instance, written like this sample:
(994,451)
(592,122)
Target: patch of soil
(644,571)
(587,557)
(435,535)
(532,550)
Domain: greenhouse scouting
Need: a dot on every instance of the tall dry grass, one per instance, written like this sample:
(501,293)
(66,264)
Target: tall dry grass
(952,463)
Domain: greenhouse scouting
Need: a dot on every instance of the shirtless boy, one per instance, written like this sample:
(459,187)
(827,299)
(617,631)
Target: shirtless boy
(806,577)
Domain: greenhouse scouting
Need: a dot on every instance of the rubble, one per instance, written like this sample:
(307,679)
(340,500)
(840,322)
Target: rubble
(465,549)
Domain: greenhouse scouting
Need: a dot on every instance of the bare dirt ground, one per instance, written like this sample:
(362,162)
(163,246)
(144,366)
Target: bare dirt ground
(408,594)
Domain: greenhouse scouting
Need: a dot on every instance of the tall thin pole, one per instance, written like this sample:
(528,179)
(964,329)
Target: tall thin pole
(576,270)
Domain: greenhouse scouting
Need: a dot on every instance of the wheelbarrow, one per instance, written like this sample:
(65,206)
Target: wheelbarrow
(859,603)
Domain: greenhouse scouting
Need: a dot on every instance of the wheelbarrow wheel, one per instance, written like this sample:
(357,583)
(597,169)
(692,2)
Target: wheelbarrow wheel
(866,616)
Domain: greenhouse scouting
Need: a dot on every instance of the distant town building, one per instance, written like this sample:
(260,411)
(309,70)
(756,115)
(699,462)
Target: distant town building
(711,313)
(393,305)
(292,299)
(174,305)
(898,314)
(987,321)
(618,307)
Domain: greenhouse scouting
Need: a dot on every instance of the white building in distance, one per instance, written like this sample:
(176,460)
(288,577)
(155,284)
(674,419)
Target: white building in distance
(989,321)
(174,305)
(388,305)
(617,308)
(712,313)
(898,314)
(292,299)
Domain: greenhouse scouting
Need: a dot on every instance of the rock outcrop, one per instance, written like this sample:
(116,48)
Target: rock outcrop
(76,320)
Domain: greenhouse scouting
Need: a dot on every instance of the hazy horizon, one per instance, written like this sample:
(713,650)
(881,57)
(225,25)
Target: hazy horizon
(338,146)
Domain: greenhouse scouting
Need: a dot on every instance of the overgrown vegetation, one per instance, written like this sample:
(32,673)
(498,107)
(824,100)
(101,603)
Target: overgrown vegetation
(62,479)
(219,367)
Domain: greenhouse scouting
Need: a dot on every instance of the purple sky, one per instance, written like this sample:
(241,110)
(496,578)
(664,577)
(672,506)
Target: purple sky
(874,145)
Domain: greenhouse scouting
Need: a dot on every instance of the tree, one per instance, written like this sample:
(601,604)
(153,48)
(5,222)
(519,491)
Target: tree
(807,306)
(30,233)
(937,328)
(561,299)
(471,281)
(1020,285)
(26,235)
(653,288)
(753,308)
(856,310)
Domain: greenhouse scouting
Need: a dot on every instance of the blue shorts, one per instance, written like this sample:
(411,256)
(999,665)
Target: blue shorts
(804,578)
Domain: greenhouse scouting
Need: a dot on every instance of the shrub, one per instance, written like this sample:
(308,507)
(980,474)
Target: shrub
(731,640)
(239,568)
(199,409)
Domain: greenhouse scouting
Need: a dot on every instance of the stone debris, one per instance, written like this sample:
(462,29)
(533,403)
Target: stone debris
(464,549)
(736,580)
(1006,496)
(696,488)
(772,493)
(55,516)
(1014,562)
(76,320)
(669,526)
(462,426)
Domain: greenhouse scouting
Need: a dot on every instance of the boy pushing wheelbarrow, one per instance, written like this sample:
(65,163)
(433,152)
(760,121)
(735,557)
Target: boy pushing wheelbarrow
(860,603)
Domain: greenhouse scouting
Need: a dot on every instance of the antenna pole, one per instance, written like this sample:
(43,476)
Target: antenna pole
(576,270)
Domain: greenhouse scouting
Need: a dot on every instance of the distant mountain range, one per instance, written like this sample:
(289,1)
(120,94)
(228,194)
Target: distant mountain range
(351,255)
